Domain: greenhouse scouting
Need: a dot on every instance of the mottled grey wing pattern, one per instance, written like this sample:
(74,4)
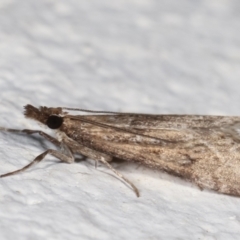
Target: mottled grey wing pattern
(203,149)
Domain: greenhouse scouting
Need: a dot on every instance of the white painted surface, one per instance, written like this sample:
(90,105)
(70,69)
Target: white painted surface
(151,56)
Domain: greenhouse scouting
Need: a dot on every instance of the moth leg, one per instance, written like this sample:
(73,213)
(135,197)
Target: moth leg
(43,134)
(88,152)
(101,156)
(29,131)
(65,155)
(104,158)
(120,176)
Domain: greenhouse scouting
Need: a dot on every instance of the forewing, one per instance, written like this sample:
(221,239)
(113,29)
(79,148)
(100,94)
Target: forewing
(204,149)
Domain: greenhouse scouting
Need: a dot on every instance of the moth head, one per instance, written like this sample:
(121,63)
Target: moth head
(52,117)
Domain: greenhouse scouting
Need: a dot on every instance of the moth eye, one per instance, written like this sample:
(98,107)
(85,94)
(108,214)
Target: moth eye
(54,122)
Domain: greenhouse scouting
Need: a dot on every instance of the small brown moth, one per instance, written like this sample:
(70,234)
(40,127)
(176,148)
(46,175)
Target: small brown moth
(202,149)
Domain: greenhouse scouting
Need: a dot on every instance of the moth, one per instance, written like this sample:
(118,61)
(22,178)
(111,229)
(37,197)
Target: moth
(202,149)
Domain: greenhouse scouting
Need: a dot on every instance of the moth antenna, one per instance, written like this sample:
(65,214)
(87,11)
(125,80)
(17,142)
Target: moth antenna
(99,112)
(90,111)
(116,128)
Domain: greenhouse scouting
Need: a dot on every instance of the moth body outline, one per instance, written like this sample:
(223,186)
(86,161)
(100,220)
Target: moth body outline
(202,149)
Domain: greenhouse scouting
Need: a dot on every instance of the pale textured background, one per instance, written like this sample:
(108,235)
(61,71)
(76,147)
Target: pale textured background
(153,56)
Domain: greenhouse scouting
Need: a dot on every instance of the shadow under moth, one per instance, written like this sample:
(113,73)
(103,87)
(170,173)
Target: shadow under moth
(202,149)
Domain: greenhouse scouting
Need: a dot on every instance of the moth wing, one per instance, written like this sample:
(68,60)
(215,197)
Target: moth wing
(203,149)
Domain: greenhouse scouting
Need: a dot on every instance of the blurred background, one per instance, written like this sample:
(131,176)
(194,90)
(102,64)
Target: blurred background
(137,55)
